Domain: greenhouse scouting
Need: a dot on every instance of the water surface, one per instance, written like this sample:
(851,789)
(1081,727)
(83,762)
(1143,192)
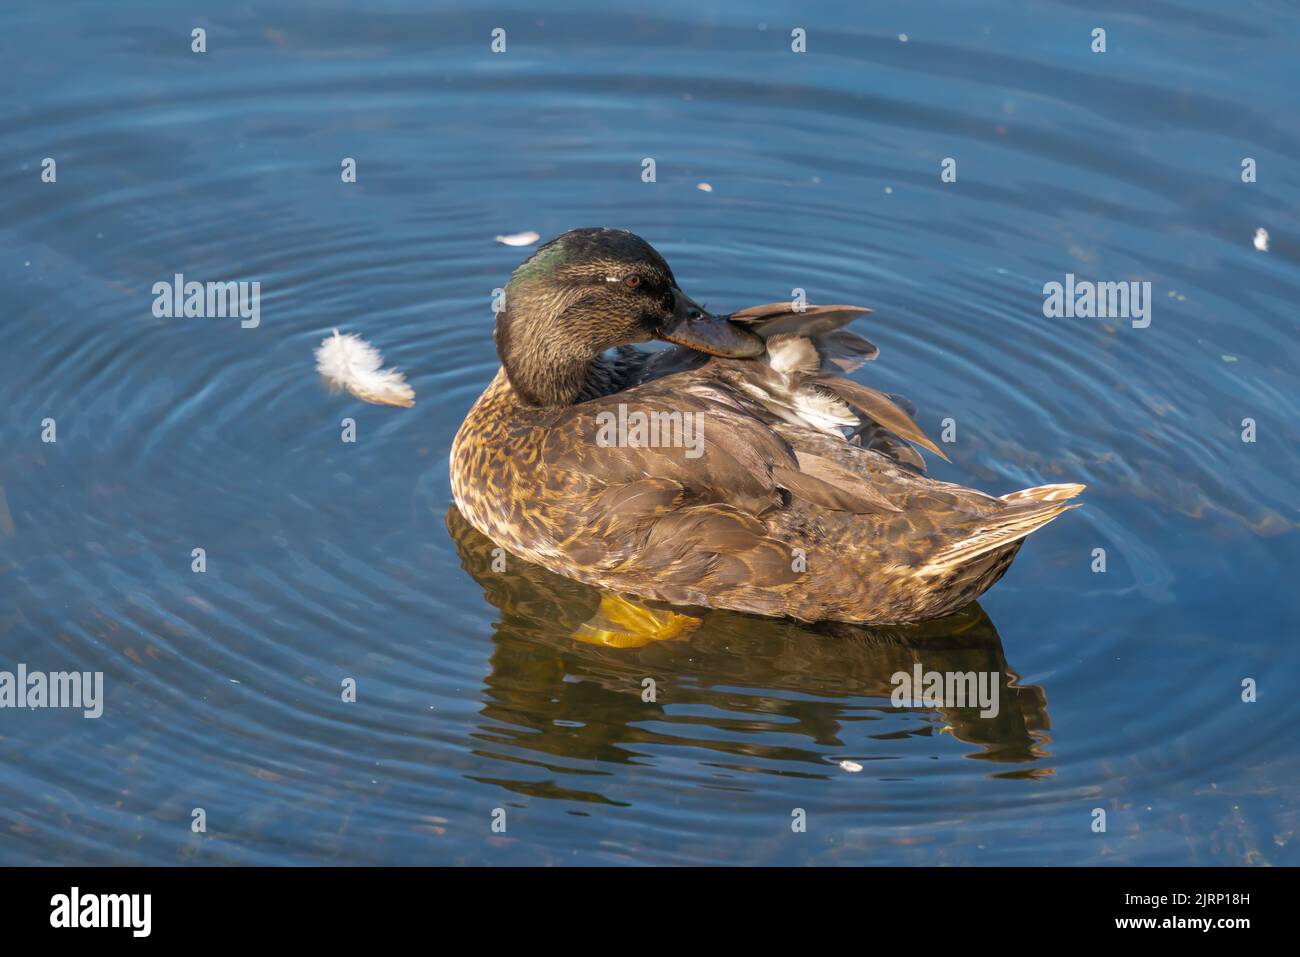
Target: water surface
(328,561)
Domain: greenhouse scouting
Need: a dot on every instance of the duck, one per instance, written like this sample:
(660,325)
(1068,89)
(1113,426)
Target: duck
(733,466)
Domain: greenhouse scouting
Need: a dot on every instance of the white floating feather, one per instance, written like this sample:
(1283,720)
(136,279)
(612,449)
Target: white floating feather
(519,239)
(1261,239)
(351,364)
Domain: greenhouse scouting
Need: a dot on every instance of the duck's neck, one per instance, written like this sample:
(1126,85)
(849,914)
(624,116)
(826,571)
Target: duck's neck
(544,373)
(565,380)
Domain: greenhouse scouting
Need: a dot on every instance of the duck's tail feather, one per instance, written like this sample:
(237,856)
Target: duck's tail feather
(1046,493)
(1030,510)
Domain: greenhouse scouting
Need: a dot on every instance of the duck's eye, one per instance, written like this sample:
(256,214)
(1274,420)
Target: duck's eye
(632,281)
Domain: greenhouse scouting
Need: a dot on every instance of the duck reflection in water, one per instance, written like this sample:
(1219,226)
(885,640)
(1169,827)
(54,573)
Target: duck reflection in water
(556,690)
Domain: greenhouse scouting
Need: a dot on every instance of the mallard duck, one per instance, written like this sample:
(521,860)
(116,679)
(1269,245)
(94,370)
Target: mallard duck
(738,469)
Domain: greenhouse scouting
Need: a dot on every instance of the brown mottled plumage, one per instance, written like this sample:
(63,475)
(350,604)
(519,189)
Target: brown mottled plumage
(803,499)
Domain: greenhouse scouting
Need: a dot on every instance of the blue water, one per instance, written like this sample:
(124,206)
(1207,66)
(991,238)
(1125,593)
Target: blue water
(329,560)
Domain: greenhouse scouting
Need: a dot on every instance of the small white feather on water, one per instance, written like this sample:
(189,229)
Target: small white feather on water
(519,239)
(351,364)
(851,766)
(1261,239)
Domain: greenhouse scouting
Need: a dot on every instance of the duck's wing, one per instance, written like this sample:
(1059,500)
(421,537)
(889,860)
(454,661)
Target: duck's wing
(718,511)
(800,379)
(837,349)
(696,431)
(690,507)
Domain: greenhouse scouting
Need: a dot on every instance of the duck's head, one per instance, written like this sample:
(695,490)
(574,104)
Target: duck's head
(589,290)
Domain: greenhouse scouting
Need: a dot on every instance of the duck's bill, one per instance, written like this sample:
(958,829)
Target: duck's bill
(702,331)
